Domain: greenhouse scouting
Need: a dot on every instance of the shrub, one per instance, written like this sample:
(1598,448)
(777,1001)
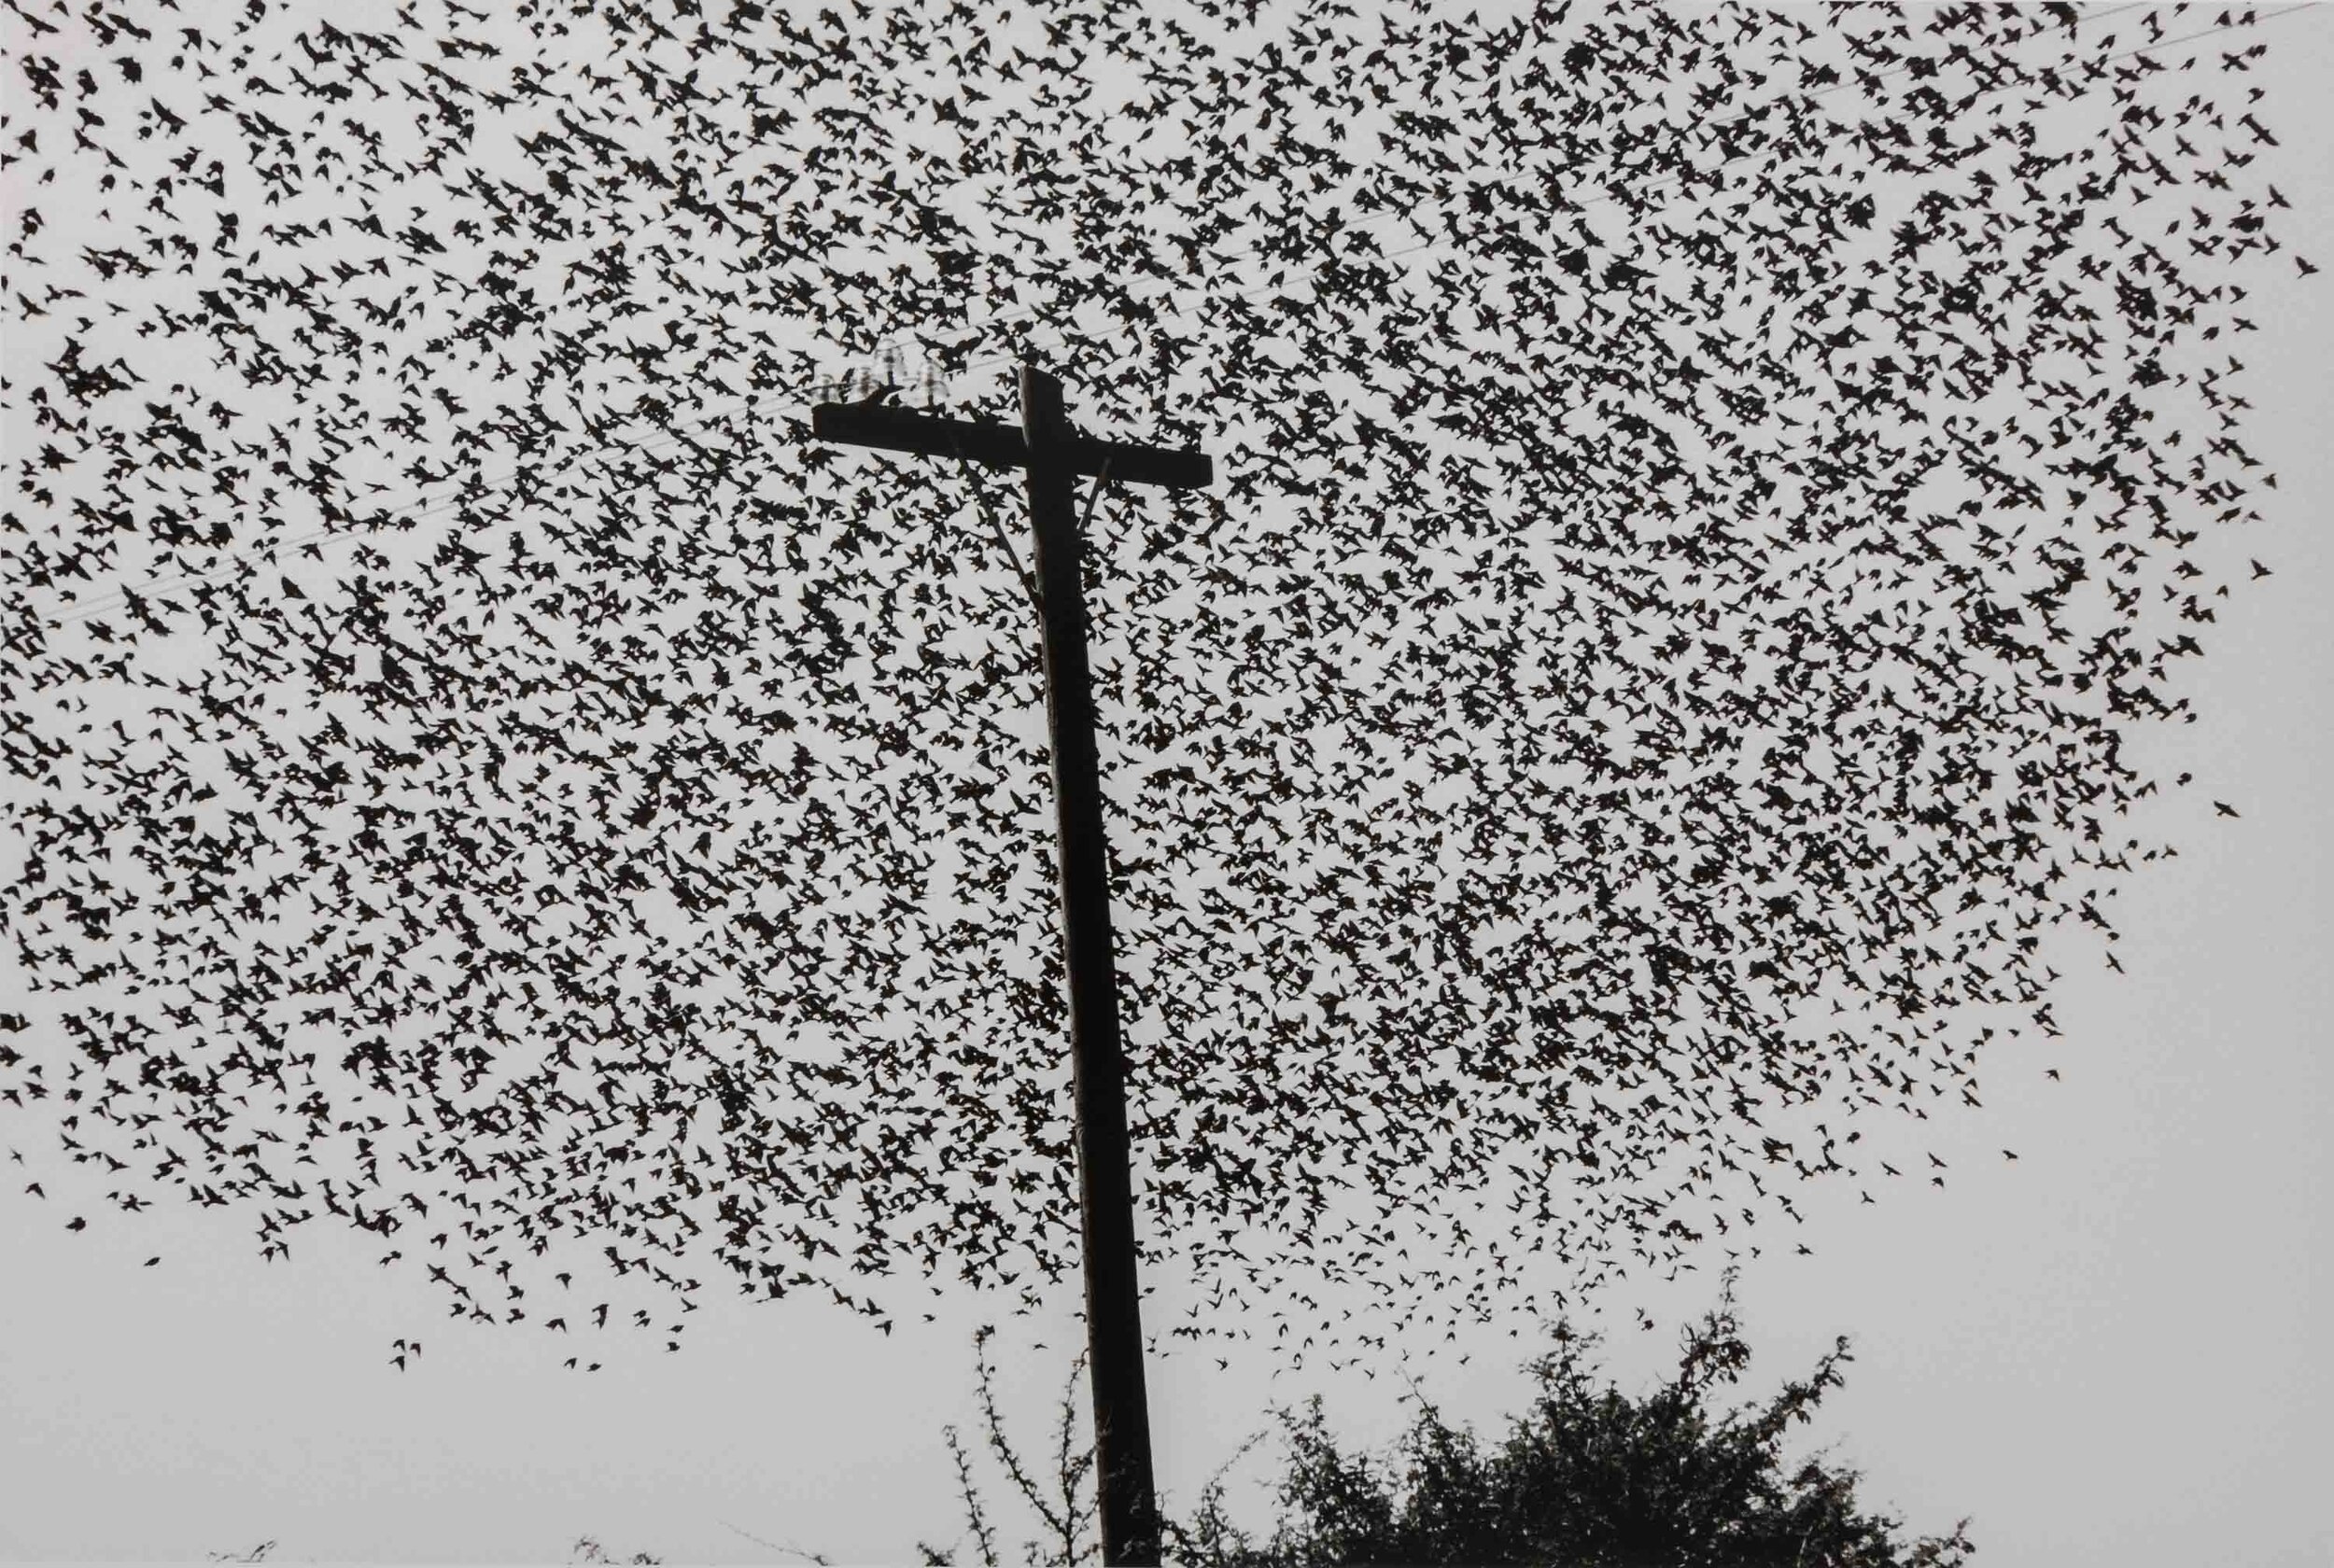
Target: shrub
(1588,1477)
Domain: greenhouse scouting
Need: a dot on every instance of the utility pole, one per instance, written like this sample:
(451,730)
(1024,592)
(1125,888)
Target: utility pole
(1052,455)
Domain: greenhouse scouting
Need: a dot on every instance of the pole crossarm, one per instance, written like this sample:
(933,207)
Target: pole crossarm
(1049,453)
(999,445)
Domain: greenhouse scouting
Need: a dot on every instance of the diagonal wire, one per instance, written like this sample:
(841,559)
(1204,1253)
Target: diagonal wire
(1095,494)
(1005,542)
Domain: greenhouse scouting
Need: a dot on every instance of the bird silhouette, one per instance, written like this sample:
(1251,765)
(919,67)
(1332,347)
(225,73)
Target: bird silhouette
(1677,619)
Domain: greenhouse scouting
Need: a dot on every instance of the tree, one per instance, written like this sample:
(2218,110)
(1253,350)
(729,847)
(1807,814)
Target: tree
(1588,1477)
(1713,499)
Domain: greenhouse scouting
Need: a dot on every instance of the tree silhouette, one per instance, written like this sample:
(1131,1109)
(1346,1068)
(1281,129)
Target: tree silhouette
(1711,499)
(1587,1476)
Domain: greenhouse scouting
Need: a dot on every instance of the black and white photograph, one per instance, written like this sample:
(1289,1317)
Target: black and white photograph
(1200,782)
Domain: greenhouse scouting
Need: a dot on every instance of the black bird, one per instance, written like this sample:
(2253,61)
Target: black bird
(1626,682)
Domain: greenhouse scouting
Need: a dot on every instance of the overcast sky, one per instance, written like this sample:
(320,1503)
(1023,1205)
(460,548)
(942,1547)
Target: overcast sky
(2112,1351)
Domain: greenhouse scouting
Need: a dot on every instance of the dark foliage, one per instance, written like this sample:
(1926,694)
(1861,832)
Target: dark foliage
(1587,1477)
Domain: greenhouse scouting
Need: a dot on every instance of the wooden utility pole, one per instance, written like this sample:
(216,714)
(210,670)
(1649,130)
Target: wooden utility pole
(1053,455)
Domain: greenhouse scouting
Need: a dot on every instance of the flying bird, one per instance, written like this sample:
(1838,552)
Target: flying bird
(1631,608)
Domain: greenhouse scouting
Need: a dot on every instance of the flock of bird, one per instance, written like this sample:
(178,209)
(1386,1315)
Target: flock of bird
(1708,501)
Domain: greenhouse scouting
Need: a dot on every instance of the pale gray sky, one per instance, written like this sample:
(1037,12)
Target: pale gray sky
(2110,1351)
